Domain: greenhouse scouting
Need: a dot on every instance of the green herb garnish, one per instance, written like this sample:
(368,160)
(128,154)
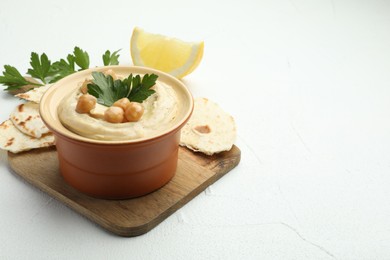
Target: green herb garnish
(63,68)
(107,90)
(110,59)
(47,72)
(13,79)
(40,67)
(81,58)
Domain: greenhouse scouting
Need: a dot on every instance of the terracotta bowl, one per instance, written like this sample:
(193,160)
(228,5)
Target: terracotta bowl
(115,169)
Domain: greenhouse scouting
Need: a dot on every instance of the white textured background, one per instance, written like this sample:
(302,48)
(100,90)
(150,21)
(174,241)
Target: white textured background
(309,85)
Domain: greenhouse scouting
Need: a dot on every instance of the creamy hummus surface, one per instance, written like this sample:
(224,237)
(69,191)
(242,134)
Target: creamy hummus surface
(160,112)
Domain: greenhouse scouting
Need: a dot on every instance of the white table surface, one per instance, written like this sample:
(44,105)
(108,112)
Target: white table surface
(308,84)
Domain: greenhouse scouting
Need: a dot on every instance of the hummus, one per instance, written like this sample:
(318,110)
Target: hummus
(160,111)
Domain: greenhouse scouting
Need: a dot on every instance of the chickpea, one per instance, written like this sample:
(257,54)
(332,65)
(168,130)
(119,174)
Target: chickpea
(114,115)
(111,73)
(84,86)
(134,112)
(122,103)
(85,103)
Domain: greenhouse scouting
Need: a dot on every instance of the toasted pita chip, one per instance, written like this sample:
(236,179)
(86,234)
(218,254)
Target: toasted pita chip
(27,119)
(11,139)
(210,130)
(35,94)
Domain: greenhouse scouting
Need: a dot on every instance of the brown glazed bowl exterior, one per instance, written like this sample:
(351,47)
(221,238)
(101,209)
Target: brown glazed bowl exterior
(115,169)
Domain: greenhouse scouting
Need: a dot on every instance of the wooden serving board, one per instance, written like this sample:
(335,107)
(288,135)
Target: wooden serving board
(131,217)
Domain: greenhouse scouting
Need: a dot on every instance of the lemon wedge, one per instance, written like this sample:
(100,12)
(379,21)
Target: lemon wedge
(164,53)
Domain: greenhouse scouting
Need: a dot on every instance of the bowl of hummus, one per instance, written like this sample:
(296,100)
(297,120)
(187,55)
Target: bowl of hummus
(112,155)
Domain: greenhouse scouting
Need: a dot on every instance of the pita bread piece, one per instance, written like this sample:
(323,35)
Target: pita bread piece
(210,130)
(11,139)
(27,119)
(35,94)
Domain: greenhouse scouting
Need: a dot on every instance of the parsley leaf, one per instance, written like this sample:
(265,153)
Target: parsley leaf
(63,68)
(81,58)
(107,90)
(111,59)
(103,88)
(40,67)
(141,89)
(13,79)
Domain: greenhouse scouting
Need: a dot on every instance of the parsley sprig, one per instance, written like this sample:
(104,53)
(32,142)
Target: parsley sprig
(13,79)
(107,90)
(40,67)
(111,59)
(49,72)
